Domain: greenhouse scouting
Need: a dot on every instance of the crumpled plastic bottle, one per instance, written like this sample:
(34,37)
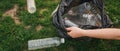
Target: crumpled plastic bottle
(45,43)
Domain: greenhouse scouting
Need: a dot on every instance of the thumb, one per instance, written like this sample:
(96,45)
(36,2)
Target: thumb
(68,29)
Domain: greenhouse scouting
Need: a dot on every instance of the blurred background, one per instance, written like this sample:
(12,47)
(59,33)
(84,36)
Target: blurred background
(17,26)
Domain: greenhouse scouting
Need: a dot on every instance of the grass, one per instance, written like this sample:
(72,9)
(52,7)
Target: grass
(14,37)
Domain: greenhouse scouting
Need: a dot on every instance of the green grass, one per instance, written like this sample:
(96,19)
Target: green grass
(14,37)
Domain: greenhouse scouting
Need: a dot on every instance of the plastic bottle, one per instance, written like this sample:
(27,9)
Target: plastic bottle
(44,43)
(70,23)
(31,6)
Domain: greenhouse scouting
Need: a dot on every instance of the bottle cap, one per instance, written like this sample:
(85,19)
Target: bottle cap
(62,40)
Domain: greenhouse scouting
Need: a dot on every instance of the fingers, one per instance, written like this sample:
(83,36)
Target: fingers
(74,32)
(69,33)
(69,30)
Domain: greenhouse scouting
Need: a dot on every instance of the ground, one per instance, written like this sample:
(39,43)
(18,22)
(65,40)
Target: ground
(17,26)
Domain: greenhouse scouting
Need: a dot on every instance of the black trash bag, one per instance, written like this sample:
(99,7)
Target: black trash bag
(85,14)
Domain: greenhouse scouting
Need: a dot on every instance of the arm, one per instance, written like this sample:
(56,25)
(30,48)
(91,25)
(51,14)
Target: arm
(107,33)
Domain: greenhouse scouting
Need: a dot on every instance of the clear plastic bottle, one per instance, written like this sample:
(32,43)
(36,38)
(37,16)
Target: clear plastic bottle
(31,6)
(70,23)
(45,43)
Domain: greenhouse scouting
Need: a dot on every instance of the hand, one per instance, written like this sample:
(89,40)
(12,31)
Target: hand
(75,32)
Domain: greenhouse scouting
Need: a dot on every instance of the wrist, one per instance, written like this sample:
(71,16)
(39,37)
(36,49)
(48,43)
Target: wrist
(88,33)
(83,33)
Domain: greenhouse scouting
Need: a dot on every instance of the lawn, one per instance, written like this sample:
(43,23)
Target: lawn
(17,26)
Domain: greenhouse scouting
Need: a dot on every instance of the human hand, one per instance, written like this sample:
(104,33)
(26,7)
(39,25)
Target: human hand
(75,32)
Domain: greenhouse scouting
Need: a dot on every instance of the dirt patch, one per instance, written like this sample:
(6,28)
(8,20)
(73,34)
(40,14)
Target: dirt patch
(13,14)
(38,28)
(43,10)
